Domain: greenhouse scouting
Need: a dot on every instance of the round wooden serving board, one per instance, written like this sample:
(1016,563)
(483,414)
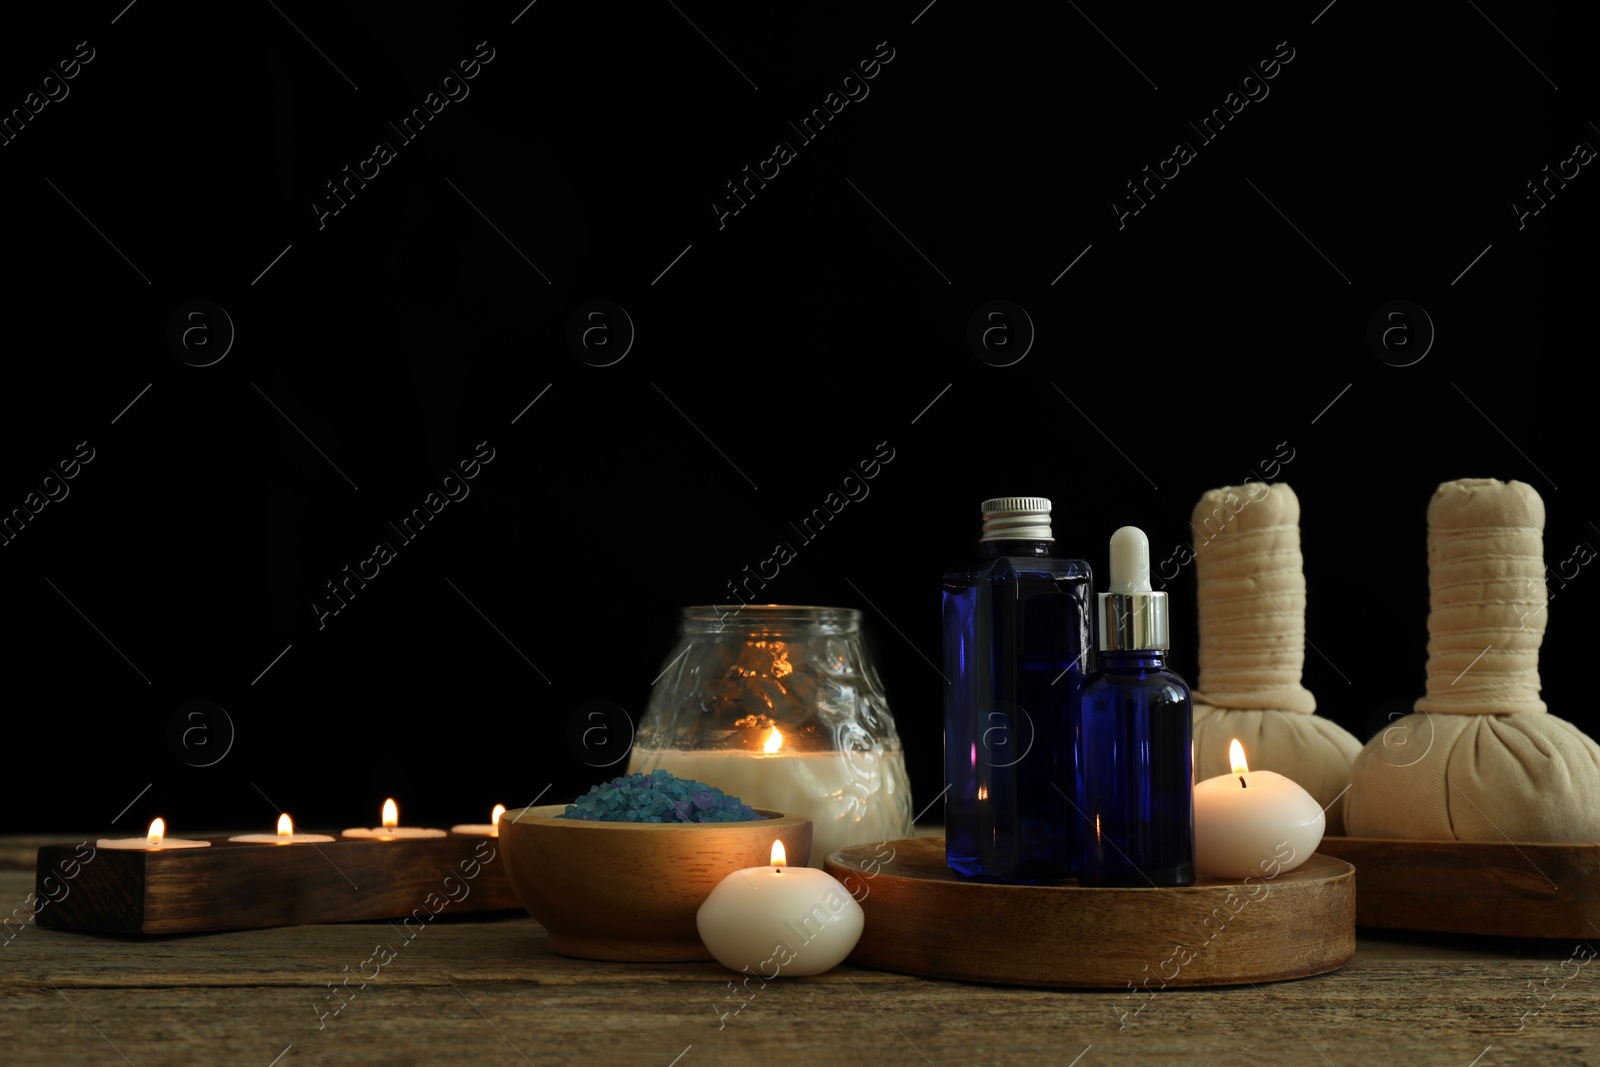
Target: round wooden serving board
(1502,888)
(923,919)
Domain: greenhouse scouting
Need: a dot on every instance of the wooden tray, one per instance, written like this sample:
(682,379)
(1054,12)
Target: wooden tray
(923,919)
(1472,887)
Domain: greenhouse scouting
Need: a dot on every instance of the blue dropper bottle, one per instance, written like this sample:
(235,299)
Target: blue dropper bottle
(1135,747)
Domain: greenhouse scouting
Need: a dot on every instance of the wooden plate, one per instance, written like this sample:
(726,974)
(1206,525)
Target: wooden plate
(923,919)
(1475,887)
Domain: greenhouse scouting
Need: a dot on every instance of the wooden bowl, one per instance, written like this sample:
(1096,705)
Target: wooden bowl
(630,891)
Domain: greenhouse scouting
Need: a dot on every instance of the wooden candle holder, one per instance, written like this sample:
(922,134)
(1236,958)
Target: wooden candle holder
(239,886)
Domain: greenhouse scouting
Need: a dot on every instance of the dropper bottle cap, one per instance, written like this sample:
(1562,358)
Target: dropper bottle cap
(1133,617)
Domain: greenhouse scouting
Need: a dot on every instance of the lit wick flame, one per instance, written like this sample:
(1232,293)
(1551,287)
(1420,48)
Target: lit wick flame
(158,830)
(494,818)
(391,814)
(1236,756)
(780,858)
(774,742)
(285,827)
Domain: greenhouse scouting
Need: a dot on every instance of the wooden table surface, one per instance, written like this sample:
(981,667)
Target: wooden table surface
(487,990)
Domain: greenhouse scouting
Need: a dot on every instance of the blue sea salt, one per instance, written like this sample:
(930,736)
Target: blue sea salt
(659,796)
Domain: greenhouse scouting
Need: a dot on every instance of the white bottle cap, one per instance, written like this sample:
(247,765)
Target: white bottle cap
(1132,616)
(1130,561)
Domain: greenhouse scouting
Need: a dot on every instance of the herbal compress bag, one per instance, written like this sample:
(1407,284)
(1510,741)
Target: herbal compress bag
(1481,758)
(1252,600)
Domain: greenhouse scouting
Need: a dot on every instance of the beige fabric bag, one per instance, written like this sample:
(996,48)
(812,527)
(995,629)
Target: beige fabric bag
(1252,603)
(1481,759)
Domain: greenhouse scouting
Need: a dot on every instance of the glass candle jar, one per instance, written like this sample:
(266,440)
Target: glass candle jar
(779,706)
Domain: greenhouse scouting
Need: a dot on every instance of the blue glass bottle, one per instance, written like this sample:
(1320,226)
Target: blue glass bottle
(1135,751)
(1017,634)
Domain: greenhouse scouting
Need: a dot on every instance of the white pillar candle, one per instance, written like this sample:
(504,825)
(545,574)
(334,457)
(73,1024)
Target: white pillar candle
(284,836)
(778,919)
(391,829)
(1253,823)
(489,829)
(155,841)
(850,800)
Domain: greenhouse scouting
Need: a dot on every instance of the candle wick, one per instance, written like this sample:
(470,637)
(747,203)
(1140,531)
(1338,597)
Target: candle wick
(1242,783)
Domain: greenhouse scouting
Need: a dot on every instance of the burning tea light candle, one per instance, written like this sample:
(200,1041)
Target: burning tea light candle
(779,919)
(284,836)
(1253,822)
(156,839)
(392,830)
(492,829)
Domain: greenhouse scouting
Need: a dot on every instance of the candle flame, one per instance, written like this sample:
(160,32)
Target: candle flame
(494,818)
(158,830)
(391,814)
(285,826)
(774,741)
(780,858)
(1236,755)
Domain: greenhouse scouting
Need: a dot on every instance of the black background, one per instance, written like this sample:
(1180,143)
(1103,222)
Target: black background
(1223,325)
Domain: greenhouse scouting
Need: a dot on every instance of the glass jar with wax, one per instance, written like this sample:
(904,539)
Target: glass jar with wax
(779,706)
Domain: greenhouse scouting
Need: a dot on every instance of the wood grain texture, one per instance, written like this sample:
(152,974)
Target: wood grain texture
(1472,887)
(233,886)
(488,989)
(923,919)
